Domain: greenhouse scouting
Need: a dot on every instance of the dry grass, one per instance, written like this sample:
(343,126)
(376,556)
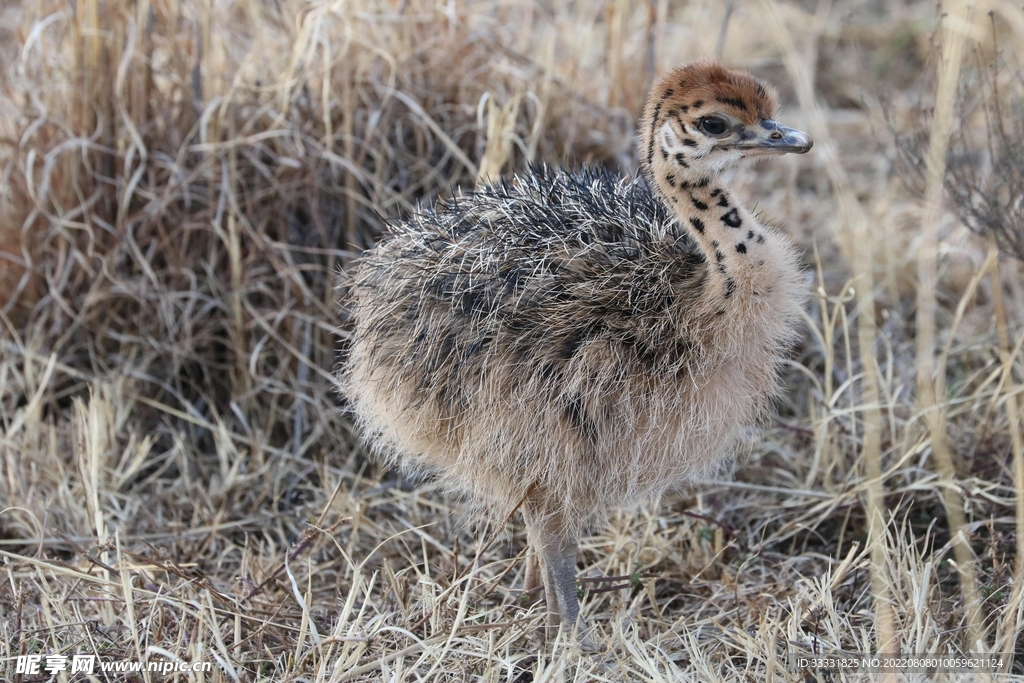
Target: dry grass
(181,185)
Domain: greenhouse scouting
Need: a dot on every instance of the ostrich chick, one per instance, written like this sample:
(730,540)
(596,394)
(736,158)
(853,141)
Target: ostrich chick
(572,343)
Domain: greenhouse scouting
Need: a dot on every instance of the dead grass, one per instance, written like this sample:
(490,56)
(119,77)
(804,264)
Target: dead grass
(181,185)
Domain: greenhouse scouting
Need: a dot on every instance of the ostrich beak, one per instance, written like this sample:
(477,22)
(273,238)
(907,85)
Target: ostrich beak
(771,137)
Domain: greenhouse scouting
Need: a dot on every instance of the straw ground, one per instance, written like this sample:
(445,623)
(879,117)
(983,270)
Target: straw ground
(181,184)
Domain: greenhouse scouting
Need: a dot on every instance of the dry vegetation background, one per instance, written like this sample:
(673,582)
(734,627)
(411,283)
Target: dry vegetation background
(182,183)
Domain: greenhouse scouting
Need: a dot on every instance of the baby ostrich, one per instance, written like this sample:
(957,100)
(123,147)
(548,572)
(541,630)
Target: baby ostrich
(569,342)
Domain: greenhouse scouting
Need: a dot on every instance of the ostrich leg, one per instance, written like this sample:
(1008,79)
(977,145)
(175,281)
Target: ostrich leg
(556,551)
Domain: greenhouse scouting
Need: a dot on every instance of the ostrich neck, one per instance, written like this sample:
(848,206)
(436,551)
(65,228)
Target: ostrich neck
(716,220)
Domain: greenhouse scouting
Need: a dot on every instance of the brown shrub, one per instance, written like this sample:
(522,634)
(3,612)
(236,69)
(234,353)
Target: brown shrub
(184,195)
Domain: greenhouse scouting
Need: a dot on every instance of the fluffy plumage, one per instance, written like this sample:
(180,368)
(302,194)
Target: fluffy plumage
(573,342)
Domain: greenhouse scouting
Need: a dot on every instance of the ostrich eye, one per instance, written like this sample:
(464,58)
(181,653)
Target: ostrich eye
(712,125)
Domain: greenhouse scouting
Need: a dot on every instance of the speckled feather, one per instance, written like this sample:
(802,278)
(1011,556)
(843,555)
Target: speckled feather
(554,333)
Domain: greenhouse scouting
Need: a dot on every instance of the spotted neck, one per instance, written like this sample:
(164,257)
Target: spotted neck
(725,231)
